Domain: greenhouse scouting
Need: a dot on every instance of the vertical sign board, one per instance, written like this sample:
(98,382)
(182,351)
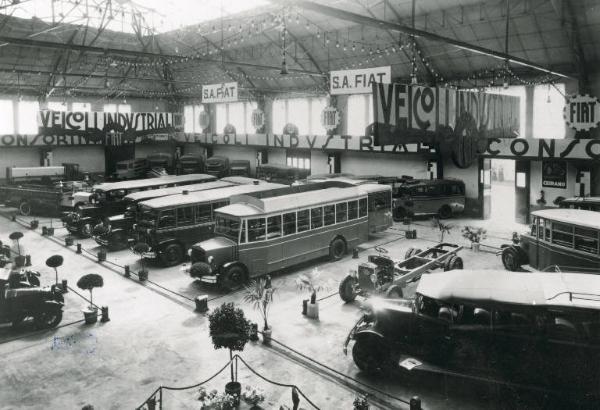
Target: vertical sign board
(582,112)
(554,174)
(358,81)
(217,93)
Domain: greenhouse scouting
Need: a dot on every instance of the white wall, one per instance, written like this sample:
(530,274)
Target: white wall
(318,162)
(89,158)
(384,164)
(18,157)
(550,194)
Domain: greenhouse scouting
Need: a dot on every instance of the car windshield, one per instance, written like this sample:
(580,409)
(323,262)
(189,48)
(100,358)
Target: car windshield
(228,227)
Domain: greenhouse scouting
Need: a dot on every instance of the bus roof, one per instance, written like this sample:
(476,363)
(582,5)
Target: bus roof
(239,180)
(244,205)
(156,193)
(582,199)
(207,196)
(579,217)
(495,287)
(150,182)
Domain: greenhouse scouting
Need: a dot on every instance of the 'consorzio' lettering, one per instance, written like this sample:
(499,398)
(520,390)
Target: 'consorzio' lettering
(544,148)
(10,140)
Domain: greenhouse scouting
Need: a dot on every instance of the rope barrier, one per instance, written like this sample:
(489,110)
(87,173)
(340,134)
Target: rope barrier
(83,297)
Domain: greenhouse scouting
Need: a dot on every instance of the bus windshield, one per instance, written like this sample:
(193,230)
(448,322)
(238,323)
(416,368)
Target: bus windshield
(228,227)
(147,217)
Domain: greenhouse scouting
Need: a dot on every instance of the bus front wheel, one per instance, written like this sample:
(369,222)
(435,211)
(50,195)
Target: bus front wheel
(25,208)
(233,278)
(510,259)
(172,255)
(337,249)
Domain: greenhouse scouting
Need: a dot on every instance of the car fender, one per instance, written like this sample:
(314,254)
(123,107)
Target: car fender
(365,333)
(233,263)
(169,241)
(53,304)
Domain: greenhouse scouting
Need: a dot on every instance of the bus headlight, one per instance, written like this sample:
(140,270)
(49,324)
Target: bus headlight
(373,278)
(189,252)
(210,260)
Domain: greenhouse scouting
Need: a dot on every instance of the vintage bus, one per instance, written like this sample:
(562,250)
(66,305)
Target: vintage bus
(256,236)
(282,174)
(590,203)
(441,197)
(169,225)
(565,237)
(108,199)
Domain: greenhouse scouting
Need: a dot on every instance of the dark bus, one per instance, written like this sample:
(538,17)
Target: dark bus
(107,199)
(190,164)
(441,197)
(169,225)
(589,203)
(239,167)
(281,174)
(217,166)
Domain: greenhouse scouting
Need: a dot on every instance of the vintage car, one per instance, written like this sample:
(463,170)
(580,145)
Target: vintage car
(530,329)
(566,237)
(217,166)
(441,197)
(22,298)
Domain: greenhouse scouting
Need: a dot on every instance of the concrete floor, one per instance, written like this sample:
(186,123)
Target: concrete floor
(155,337)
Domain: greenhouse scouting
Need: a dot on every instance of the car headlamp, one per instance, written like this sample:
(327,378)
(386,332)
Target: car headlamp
(210,259)
(373,278)
(189,252)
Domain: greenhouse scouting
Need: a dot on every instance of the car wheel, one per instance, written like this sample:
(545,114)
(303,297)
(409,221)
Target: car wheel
(117,242)
(337,249)
(172,255)
(371,355)
(86,230)
(25,208)
(394,292)
(48,320)
(445,212)
(399,214)
(348,289)
(452,263)
(34,281)
(510,259)
(233,278)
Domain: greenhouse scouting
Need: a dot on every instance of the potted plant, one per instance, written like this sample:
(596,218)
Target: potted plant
(408,218)
(19,259)
(54,262)
(311,282)
(361,403)
(140,249)
(214,399)
(259,293)
(229,329)
(442,227)
(474,235)
(89,282)
(253,396)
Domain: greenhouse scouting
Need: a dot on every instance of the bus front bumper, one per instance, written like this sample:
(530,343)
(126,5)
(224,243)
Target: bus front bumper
(208,279)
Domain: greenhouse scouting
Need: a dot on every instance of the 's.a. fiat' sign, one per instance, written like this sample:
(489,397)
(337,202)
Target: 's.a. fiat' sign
(258,118)
(204,119)
(582,112)
(330,118)
(224,92)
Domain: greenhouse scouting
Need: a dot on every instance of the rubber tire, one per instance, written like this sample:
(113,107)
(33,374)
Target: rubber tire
(452,263)
(85,231)
(346,289)
(411,252)
(34,282)
(233,278)
(117,241)
(394,292)
(399,214)
(48,320)
(337,249)
(445,212)
(25,208)
(510,259)
(371,355)
(172,255)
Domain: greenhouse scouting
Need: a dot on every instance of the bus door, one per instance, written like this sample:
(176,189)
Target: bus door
(522,188)
(485,187)
(275,255)
(256,251)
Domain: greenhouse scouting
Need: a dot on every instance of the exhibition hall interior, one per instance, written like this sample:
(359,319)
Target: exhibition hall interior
(299,204)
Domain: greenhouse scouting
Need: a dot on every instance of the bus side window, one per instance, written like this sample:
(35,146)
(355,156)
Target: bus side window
(167,219)
(303,220)
(362,207)
(289,223)
(185,216)
(352,210)
(316,218)
(256,229)
(203,213)
(540,228)
(341,212)
(274,226)
(533,227)
(329,214)
(243,231)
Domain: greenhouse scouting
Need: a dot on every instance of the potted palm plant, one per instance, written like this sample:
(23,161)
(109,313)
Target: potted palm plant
(229,329)
(442,227)
(312,283)
(259,293)
(140,249)
(89,282)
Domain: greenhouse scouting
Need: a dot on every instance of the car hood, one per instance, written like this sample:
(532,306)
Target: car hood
(212,244)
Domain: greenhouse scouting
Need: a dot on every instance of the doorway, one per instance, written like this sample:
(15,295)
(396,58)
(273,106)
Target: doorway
(503,199)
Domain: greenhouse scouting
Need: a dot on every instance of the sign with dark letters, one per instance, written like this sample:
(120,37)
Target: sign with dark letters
(582,112)
(216,93)
(554,174)
(358,81)
(540,149)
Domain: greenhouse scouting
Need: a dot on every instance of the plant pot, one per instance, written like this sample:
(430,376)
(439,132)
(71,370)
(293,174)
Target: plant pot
(475,246)
(69,241)
(312,310)
(50,231)
(267,336)
(304,306)
(19,261)
(234,389)
(101,255)
(143,275)
(34,224)
(90,316)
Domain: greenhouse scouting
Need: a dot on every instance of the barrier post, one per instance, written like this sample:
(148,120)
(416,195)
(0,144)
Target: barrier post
(27,260)
(127,271)
(64,286)
(415,403)
(104,317)
(101,255)
(78,248)
(355,253)
(201,303)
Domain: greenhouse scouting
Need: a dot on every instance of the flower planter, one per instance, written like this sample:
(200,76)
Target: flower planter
(90,316)
(101,255)
(69,241)
(143,275)
(267,336)
(34,224)
(234,389)
(475,246)
(50,231)
(312,310)
(19,261)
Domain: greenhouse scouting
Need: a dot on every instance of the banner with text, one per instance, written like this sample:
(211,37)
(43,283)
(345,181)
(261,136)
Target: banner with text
(413,113)
(223,92)
(358,81)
